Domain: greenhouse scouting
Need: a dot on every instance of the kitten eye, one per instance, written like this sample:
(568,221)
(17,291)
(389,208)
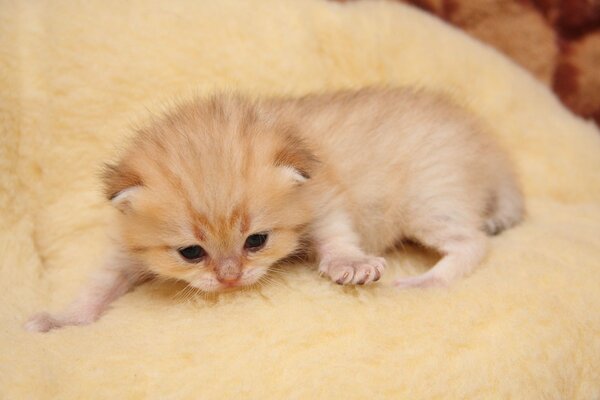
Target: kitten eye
(256,242)
(192,253)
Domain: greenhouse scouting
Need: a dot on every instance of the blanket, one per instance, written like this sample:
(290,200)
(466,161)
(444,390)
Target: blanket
(558,41)
(77,76)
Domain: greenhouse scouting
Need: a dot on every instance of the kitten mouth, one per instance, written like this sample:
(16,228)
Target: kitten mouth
(213,285)
(219,287)
(230,285)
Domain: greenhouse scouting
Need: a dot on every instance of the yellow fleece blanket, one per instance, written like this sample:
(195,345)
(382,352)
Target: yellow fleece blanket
(75,76)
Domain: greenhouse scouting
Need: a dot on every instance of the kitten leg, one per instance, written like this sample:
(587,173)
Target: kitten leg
(463,250)
(114,280)
(507,208)
(340,255)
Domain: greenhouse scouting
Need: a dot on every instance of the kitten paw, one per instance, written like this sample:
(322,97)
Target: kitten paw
(420,281)
(353,270)
(42,322)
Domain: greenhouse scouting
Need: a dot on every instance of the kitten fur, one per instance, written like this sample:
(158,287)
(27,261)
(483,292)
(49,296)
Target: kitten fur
(351,173)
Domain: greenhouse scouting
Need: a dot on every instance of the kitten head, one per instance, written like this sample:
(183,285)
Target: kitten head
(213,193)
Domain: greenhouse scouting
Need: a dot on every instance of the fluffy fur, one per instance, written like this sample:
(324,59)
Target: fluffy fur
(351,173)
(75,75)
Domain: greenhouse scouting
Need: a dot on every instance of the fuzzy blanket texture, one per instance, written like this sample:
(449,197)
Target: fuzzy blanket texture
(556,40)
(75,76)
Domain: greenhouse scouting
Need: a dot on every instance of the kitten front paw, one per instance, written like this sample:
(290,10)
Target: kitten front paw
(353,270)
(42,322)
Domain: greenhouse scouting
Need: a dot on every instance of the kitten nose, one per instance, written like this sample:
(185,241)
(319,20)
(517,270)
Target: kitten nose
(228,271)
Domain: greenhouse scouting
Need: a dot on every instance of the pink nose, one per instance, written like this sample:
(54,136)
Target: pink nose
(228,271)
(228,279)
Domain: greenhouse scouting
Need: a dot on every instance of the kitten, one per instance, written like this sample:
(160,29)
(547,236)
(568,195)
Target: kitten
(220,189)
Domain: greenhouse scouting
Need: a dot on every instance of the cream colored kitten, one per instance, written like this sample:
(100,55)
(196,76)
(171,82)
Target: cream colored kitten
(220,189)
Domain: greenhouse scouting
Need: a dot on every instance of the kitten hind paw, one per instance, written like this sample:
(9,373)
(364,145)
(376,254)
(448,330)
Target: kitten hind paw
(353,270)
(420,281)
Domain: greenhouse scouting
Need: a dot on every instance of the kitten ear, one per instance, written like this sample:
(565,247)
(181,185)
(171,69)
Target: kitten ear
(293,174)
(298,162)
(120,185)
(123,200)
